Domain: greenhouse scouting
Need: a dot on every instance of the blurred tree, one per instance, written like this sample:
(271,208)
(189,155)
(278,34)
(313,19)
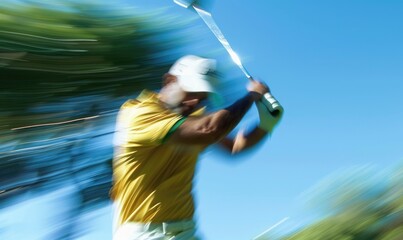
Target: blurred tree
(53,51)
(362,204)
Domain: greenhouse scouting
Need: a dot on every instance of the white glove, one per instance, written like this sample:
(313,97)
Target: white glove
(269,115)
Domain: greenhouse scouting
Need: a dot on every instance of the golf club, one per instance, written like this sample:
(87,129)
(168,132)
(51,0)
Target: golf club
(268,100)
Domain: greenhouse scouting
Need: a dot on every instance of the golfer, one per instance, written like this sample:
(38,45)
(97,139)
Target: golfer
(158,139)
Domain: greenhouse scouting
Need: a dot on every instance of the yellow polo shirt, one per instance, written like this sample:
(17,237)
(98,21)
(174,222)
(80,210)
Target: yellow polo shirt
(152,179)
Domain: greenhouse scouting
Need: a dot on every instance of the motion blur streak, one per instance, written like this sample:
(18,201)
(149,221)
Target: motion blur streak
(52,39)
(57,123)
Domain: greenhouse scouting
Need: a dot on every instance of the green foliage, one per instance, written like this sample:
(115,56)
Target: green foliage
(50,52)
(360,204)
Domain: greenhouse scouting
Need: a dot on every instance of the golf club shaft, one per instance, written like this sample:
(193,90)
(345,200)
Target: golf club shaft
(208,19)
(268,100)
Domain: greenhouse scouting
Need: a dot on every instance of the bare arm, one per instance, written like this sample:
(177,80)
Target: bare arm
(243,140)
(209,129)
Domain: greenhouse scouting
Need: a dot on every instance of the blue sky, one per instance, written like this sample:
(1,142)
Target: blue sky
(337,68)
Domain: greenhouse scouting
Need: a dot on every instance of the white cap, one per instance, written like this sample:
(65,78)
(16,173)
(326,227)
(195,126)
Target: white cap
(191,72)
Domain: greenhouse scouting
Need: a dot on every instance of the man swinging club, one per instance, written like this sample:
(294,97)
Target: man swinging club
(157,142)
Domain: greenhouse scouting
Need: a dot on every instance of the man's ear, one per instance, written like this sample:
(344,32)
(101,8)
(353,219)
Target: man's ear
(168,78)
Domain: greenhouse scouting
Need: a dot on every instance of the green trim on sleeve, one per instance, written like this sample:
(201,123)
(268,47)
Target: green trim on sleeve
(173,129)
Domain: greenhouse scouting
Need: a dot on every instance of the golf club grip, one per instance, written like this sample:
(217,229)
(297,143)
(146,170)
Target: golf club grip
(272,104)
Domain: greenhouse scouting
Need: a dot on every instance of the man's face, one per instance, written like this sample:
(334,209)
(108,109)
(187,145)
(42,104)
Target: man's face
(184,103)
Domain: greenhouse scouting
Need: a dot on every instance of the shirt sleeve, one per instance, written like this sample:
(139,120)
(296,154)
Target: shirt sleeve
(147,125)
(173,129)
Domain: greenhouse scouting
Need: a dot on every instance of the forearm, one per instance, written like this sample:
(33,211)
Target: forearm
(226,119)
(212,128)
(243,142)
